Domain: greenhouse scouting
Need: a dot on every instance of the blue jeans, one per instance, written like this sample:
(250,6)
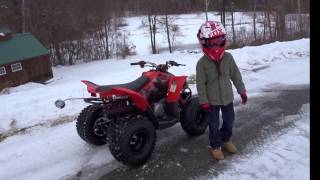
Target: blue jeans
(219,136)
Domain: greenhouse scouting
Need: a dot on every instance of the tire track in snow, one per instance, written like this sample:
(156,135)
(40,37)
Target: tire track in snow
(25,130)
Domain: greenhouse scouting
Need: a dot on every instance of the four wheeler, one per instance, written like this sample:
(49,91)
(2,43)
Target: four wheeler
(127,115)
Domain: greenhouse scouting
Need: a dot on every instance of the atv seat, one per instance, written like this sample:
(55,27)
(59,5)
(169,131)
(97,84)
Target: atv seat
(135,85)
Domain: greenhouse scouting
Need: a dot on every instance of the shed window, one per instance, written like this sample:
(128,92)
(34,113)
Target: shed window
(16,67)
(2,71)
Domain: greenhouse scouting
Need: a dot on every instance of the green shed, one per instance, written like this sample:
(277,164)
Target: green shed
(22,59)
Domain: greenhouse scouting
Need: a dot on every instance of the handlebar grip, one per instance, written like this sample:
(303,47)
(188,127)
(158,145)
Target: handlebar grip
(173,63)
(136,63)
(141,63)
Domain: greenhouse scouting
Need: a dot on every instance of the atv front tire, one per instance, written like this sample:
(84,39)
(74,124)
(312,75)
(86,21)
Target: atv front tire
(87,125)
(132,140)
(193,120)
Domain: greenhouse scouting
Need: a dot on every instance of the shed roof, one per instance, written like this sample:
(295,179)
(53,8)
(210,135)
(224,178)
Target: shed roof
(5,30)
(22,46)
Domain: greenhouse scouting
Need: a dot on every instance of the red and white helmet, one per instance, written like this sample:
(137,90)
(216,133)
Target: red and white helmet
(212,38)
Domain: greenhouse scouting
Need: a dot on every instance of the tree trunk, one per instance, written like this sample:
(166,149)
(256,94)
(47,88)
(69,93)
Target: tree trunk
(106,35)
(281,21)
(224,13)
(70,60)
(58,54)
(264,26)
(207,2)
(154,50)
(282,26)
(18,15)
(232,26)
(269,26)
(150,30)
(254,20)
(221,13)
(23,19)
(168,33)
(300,17)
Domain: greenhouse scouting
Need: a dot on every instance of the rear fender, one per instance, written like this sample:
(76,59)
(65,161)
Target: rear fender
(91,87)
(140,102)
(175,87)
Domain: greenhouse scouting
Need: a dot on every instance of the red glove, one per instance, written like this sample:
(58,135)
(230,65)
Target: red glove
(244,97)
(206,107)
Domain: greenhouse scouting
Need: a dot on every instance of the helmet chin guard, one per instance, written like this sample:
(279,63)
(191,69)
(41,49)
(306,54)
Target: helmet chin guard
(214,54)
(212,38)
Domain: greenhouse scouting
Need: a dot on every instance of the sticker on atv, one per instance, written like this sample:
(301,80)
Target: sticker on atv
(173,87)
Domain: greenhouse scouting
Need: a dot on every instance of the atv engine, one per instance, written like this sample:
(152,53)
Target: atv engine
(166,111)
(158,109)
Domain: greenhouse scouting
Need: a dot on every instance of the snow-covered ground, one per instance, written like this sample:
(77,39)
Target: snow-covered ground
(285,156)
(53,150)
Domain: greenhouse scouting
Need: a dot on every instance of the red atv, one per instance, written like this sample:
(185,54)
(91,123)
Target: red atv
(127,115)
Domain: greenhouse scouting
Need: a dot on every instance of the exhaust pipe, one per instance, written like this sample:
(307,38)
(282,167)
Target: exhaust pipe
(62,103)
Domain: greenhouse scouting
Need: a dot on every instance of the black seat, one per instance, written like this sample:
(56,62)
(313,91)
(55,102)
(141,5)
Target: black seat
(135,85)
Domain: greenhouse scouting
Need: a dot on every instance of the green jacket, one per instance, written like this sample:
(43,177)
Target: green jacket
(215,89)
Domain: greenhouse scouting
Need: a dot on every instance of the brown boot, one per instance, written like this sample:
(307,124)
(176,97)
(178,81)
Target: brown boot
(231,148)
(217,154)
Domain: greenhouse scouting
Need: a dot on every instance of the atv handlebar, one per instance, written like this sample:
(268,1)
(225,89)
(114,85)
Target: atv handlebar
(141,63)
(160,67)
(173,63)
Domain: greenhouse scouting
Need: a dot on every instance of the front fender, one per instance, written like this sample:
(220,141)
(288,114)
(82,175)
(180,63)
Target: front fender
(175,87)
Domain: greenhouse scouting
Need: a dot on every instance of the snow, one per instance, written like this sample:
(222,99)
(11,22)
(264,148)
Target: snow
(49,147)
(285,156)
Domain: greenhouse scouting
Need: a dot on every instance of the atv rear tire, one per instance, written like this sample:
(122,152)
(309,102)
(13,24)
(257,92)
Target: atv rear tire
(193,119)
(132,140)
(87,125)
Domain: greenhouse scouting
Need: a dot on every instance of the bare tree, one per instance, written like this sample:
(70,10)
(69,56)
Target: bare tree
(171,29)
(107,34)
(254,19)
(269,13)
(264,26)
(10,14)
(300,16)
(168,33)
(152,20)
(223,13)
(81,30)
(234,39)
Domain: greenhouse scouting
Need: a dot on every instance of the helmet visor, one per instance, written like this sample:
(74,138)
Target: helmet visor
(213,42)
